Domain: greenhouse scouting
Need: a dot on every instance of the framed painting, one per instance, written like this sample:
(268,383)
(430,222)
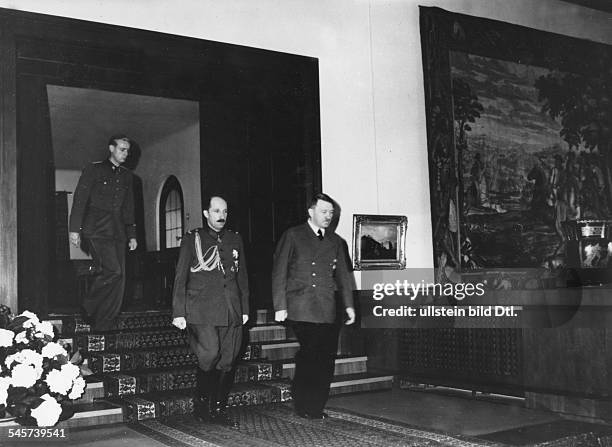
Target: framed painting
(519,139)
(379,242)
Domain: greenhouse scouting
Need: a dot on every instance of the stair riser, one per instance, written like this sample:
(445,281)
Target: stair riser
(179,357)
(113,416)
(92,391)
(280,351)
(361,387)
(263,334)
(340,369)
(149,406)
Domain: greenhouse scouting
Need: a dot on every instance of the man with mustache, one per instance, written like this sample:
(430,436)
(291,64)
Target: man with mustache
(103,212)
(310,265)
(211,301)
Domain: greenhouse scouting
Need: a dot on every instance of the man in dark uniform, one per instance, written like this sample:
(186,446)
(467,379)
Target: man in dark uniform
(211,300)
(103,211)
(310,265)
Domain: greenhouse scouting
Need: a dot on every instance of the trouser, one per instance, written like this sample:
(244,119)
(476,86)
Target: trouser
(314,364)
(103,302)
(215,346)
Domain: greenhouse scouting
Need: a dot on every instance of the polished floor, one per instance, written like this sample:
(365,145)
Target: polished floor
(494,419)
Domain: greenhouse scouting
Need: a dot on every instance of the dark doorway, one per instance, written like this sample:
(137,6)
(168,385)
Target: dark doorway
(259,128)
(167,131)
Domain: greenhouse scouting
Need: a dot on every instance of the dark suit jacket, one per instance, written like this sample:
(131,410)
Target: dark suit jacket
(103,205)
(307,273)
(211,297)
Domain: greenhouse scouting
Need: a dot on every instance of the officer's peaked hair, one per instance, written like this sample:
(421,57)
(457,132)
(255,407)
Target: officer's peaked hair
(320,196)
(112,141)
(208,198)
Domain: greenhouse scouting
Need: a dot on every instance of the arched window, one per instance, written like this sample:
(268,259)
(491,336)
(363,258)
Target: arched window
(171,214)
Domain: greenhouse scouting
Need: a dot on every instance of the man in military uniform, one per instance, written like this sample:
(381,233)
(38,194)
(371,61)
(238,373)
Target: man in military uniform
(310,265)
(103,212)
(211,301)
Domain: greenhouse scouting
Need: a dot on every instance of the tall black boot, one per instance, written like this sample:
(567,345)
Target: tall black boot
(220,414)
(206,382)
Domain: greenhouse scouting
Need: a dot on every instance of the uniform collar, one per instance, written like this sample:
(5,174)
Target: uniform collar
(111,165)
(314,228)
(215,234)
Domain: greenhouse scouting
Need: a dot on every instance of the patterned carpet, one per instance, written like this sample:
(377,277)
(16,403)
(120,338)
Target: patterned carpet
(277,425)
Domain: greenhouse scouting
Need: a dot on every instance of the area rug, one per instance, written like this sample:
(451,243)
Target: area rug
(278,426)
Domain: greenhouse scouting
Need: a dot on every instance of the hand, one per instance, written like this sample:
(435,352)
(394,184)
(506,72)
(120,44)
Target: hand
(75,239)
(245,318)
(133,244)
(350,312)
(280,315)
(180,322)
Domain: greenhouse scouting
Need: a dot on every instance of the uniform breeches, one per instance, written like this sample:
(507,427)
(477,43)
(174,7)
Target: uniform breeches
(215,346)
(105,296)
(314,364)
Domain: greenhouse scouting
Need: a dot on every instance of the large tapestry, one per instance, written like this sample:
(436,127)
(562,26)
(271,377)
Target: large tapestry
(519,137)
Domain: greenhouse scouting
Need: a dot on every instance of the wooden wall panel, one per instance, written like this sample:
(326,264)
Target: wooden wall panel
(8,169)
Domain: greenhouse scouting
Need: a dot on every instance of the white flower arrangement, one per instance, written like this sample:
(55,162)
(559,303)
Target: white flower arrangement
(6,338)
(37,375)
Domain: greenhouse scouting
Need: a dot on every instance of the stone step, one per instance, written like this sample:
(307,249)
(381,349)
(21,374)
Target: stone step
(349,342)
(288,348)
(268,332)
(161,379)
(344,366)
(179,357)
(115,410)
(129,340)
(157,338)
(155,405)
(354,383)
(73,323)
(278,350)
(173,403)
(110,362)
(94,390)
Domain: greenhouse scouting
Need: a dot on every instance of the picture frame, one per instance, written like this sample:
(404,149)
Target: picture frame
(379,242)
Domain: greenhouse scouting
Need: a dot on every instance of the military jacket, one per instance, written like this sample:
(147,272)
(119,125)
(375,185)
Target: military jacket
(103,204)
(307,273)
(214,292)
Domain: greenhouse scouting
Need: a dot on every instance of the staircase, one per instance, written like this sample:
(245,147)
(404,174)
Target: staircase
(144,368)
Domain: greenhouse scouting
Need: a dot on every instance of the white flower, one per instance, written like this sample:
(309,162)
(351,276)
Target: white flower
(8,361)
(58,382)
(29,315)
(26,357)
(6,338)
(44,328)
(53,349)
(48,412)
(22,337)
(5,382)
(32,319)
(78,388)
(24,375)
(71,371)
